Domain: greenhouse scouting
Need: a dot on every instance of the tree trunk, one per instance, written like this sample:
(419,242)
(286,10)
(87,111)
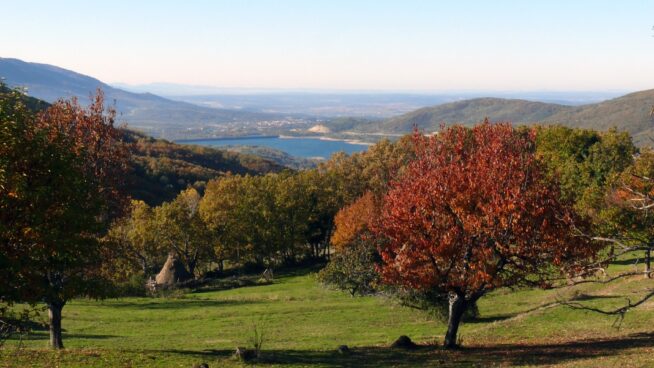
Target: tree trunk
(458,306)
(144,267)
(191,267)
(54,315)
(648,262)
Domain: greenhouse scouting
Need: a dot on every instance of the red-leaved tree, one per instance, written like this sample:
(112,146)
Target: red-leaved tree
(475,212)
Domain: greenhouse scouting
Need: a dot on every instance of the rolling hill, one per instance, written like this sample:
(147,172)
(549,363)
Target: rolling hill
(49,83)
(468,112)
(160,169)
(630,113)
(33,104)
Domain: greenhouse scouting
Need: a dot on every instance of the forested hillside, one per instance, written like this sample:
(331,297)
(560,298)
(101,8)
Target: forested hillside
(468,112)
(34,104)
(631,113)
(161,169)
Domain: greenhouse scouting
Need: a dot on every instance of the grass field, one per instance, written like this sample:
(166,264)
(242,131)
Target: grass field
(303,324)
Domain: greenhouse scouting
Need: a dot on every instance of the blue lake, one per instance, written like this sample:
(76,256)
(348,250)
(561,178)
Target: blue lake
(300,147)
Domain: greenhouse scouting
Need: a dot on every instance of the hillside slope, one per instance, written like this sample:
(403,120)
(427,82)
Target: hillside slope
(631,113)
(468,112)
(33,104)
(49,83)
(161,169)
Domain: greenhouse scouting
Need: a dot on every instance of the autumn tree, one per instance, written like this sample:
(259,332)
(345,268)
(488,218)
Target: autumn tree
(179,227)
(354,219)
(225,215)
(472,213)
(322,200)
(61,185)
(352,267)
(133,239)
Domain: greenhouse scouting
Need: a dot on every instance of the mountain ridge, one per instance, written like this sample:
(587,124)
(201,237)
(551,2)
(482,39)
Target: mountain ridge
(50,83)
(631,112)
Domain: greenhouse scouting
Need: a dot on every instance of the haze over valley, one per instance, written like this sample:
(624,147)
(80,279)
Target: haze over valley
(174,112)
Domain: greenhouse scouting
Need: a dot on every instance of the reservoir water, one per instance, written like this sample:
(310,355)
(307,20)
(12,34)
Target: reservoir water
(299,147)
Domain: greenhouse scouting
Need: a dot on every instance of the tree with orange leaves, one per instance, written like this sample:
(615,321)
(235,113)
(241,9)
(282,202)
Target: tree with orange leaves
(352,266)
(350,221)
(472,213)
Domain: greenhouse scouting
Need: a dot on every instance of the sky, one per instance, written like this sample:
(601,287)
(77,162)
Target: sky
(403,45)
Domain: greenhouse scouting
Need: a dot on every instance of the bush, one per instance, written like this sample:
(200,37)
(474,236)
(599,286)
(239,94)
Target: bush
(18,322)
(353,268)
(134,286)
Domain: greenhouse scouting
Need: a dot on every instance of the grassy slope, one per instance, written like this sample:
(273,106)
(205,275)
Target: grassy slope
(304,323)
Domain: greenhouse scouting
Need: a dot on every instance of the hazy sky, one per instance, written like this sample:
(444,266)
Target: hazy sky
(363,45)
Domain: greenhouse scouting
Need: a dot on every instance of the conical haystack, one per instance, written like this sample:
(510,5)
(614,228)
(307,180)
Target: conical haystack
(172,272)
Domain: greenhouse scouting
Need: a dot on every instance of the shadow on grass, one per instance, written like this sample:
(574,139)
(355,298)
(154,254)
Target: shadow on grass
(179,303)
(502,317)
(489,319)
(255,279)
(629,261)
(302,270)
(35,336)
(583,297)
(425,355)
(222,285)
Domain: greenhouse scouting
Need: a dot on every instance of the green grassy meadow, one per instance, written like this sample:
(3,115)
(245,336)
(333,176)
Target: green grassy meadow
(304,323)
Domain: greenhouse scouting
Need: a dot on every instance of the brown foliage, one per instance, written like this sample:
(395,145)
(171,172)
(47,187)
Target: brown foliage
(91,136)
(474,212)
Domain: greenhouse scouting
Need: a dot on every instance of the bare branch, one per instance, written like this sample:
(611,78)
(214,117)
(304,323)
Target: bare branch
(618,311)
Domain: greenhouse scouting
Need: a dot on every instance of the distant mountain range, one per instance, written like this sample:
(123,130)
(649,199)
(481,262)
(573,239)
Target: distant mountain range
(631,113)
(49,83)
(347,103)
(154,114)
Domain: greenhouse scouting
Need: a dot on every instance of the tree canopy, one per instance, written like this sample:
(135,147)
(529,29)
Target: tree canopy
(474,212)
(62,177)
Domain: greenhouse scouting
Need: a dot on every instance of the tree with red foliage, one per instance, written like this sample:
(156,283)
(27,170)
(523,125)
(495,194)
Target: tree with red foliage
(62,174)
(475,212)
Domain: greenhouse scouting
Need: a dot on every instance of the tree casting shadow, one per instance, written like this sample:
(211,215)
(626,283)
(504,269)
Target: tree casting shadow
(429,355)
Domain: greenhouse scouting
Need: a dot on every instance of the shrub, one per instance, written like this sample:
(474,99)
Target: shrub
(353,268)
